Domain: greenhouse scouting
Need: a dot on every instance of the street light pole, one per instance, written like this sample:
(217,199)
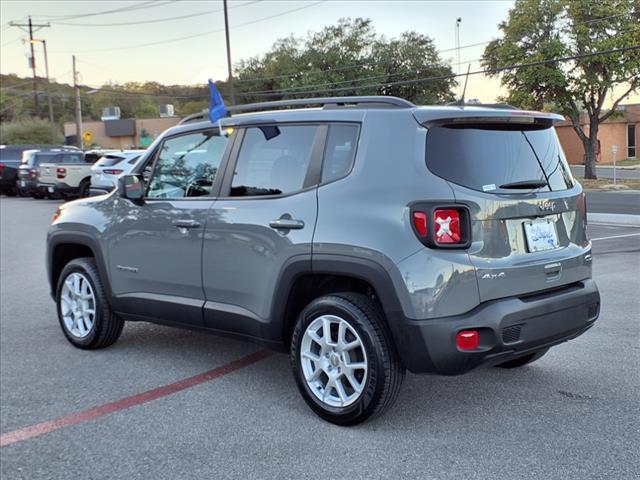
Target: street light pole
(46,69)
(458,21)
(229,70)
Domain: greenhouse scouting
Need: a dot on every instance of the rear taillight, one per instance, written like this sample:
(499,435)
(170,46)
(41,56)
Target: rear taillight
(61,172)
(442,226)
(112,172)
(1,168)
(33,173)
(447,226)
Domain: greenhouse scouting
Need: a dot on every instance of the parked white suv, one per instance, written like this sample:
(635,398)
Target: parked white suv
(105,172)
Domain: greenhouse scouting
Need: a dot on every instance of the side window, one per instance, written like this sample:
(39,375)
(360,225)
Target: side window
(339,152)
(273,160)
(186,166)
(70,158)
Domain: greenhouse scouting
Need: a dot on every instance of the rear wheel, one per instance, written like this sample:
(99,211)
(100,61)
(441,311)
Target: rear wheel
(84,187)
(83,311)
(37,195)
(344,362)
(521,361)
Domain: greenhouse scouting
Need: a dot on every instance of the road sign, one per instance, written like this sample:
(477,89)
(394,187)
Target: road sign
(614,149)
(87,136)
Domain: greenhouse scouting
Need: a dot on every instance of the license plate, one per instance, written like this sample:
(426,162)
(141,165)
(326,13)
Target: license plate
(541,235)
(23,183)
(50,189)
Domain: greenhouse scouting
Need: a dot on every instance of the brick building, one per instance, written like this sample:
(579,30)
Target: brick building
(123,134)
(623,131)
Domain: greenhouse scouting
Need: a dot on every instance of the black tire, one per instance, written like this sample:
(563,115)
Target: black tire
(37,196)
(107,327)
(83,188)
(521,361)
(385,371)
(22,192)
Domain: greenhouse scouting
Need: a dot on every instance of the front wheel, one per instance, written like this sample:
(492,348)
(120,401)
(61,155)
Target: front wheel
(83,311)
(343,359)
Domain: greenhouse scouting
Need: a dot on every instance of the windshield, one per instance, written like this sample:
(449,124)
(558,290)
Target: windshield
(498,159)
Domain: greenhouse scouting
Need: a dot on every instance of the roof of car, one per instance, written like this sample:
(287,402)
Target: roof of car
(355,108)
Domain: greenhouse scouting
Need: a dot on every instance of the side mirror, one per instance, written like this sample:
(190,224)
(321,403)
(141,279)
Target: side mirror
(131,187)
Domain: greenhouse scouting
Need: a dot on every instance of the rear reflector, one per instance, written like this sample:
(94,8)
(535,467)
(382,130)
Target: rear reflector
(447,226)
(61,172)
(420,222)
(468,340)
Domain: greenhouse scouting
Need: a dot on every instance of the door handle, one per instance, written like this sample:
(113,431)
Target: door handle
(186,223)
(286,224)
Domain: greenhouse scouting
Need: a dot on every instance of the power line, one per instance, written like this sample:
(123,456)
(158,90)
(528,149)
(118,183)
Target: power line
(157,20)
(137,6)
(446,77)
(172,40)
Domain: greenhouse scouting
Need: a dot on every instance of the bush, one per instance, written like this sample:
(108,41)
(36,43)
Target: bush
(29,131)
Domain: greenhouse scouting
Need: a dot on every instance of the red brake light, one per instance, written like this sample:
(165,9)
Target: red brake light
(1,168)
(468,340)
(33,173)
(61,172)
(447,226)
(420,222)
(113,172)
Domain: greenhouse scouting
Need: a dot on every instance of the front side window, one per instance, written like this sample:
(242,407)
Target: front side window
(186,166)
(273,160)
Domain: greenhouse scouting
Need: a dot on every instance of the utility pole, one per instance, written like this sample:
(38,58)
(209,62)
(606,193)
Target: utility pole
(31,26)
(230,73)
(76,87)
(46,69)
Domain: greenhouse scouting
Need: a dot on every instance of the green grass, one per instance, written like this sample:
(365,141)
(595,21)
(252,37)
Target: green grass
(628,162)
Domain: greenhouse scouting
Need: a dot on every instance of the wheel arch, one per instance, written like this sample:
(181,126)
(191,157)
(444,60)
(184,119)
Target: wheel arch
(298,285)
(62,247)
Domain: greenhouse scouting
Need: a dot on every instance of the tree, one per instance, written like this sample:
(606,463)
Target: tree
(348,58)
(32,131)
(539,30)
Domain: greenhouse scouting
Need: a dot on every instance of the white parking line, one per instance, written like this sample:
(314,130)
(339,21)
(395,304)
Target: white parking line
(616,236)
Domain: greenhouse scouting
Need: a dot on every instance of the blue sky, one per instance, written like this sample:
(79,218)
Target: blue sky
(106,53)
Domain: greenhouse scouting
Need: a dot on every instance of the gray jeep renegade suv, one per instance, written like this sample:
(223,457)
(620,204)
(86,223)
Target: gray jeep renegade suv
(364,236)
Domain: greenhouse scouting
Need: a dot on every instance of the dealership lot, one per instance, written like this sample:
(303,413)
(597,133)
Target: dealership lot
(573,414)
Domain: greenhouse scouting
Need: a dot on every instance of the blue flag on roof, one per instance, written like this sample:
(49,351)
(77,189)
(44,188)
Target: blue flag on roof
(217,110)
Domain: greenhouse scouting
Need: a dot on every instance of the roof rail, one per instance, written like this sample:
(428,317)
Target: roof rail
(373,101)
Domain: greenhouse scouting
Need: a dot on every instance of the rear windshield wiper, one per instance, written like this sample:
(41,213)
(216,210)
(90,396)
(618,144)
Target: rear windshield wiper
(525,184)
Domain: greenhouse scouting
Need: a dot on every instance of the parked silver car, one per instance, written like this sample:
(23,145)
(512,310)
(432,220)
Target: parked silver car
(106,171)
(364,239)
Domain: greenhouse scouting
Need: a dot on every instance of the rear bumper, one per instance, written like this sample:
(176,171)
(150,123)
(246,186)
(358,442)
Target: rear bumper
(508,328)
(59,187)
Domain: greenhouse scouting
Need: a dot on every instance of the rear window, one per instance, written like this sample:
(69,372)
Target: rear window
(492,159)
(109,160)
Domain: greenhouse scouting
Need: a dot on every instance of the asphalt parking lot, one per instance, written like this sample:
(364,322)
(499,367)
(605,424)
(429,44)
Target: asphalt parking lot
(573,414)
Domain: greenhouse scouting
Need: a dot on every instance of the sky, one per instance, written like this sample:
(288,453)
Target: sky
(107,49)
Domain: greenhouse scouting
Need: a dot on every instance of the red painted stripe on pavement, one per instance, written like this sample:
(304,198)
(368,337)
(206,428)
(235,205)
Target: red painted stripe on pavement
(128,402)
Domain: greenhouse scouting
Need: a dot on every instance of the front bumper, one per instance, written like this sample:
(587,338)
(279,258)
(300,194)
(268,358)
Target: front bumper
(509,328)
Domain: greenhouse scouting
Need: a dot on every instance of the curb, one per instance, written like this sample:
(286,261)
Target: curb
(614,219)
